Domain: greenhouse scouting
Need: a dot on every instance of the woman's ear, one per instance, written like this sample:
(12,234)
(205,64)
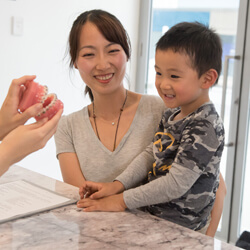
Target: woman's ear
(209,78)
(75,66)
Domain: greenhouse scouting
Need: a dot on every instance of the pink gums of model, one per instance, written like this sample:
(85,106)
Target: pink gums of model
(36,93)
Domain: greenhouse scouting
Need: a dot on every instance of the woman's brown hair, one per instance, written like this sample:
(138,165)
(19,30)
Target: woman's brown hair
(110,27)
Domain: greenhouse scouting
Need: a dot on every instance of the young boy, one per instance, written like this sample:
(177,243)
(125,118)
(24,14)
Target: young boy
(188,145)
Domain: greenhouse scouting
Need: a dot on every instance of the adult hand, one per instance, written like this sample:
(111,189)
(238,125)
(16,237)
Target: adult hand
(25,140)
(113,203)
(95,190)
(10,118)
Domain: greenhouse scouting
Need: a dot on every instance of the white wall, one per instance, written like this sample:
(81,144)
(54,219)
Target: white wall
(41,49)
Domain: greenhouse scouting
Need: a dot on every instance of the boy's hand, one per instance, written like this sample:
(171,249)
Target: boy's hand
(95,190)
(113,203)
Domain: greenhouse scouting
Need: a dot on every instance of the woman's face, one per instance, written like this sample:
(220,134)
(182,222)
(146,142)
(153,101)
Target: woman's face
(101,63)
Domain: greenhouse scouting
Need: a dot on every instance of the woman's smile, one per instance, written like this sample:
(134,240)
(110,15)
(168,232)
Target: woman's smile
(101,63)
(104,78)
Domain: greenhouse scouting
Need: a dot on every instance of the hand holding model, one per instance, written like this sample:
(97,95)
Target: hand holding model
(10,118)
(19,140)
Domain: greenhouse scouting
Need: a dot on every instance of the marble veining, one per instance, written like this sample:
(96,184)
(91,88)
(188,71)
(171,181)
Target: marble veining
(70,228)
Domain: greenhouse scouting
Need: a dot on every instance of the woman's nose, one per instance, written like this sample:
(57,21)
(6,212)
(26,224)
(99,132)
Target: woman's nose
(102,63)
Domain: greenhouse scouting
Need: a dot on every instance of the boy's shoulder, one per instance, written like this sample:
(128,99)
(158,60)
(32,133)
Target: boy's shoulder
(204,115)
(207,112)
(206,120)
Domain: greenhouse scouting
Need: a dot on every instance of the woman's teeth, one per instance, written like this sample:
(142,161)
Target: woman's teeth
(106,77)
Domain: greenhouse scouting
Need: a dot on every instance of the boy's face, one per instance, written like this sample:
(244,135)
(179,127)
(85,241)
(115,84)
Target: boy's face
(177,82)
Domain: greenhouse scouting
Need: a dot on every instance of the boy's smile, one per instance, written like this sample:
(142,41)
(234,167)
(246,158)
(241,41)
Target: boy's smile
(177,82)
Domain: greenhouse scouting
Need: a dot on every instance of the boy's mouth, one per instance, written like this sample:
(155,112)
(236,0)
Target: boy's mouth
(169,96)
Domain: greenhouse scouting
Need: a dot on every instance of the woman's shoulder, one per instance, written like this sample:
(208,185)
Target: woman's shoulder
(153,102)
(74,116)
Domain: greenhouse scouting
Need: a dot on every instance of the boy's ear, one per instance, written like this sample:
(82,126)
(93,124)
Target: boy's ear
(209,78)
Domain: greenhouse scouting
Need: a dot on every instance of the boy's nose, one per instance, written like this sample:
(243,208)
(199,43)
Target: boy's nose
(165,84)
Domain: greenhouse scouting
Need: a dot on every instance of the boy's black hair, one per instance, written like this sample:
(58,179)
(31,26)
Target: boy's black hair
(201,44)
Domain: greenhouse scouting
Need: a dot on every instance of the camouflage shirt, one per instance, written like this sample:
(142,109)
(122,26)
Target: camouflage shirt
(183,181)
(195,142)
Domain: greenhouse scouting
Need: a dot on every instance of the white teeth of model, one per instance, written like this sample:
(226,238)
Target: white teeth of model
(52,103)
(45,92)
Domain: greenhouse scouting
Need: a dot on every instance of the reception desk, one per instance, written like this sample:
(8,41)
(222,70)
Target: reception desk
(70,228)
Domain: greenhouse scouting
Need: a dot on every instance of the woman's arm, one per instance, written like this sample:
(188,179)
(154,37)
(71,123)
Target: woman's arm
(6,159)
(26,139)
(217,208)
(70,168)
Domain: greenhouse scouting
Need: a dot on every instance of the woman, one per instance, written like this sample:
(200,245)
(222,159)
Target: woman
(98,142)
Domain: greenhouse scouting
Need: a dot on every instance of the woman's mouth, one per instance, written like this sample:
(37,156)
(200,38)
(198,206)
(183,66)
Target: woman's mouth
(104,78)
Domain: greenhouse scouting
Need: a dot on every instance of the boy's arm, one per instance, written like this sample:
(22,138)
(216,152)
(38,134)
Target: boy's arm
(138,169)
(152,193)
(164,189)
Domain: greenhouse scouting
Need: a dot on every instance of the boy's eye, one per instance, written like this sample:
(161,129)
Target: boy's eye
(114,50)
(174,76)
(158,73)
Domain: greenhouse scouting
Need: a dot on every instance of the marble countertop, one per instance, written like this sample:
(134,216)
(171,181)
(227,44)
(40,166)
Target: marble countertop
(70,228)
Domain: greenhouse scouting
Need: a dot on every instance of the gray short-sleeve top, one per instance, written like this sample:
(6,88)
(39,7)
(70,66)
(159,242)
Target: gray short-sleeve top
(75,134)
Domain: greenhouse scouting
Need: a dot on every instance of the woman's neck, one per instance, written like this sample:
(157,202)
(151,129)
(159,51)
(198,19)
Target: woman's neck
(108,107)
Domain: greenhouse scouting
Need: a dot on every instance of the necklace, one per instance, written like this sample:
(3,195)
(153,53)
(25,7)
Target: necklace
(113,123)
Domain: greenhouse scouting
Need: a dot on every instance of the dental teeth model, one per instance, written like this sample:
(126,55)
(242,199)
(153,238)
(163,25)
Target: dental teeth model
(36,93)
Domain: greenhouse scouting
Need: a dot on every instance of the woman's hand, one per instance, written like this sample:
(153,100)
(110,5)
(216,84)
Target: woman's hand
(26,139)
(113,203)
(95,190)
(10,118)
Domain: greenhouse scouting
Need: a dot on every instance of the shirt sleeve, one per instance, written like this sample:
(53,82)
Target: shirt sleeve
(63,137)
(138,169)
(164,189)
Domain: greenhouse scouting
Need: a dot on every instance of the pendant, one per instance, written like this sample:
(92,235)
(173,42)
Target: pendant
(113,123)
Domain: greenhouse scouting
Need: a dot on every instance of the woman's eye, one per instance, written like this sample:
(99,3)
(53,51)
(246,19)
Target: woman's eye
(88,54)
(174,76)
(158,73)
